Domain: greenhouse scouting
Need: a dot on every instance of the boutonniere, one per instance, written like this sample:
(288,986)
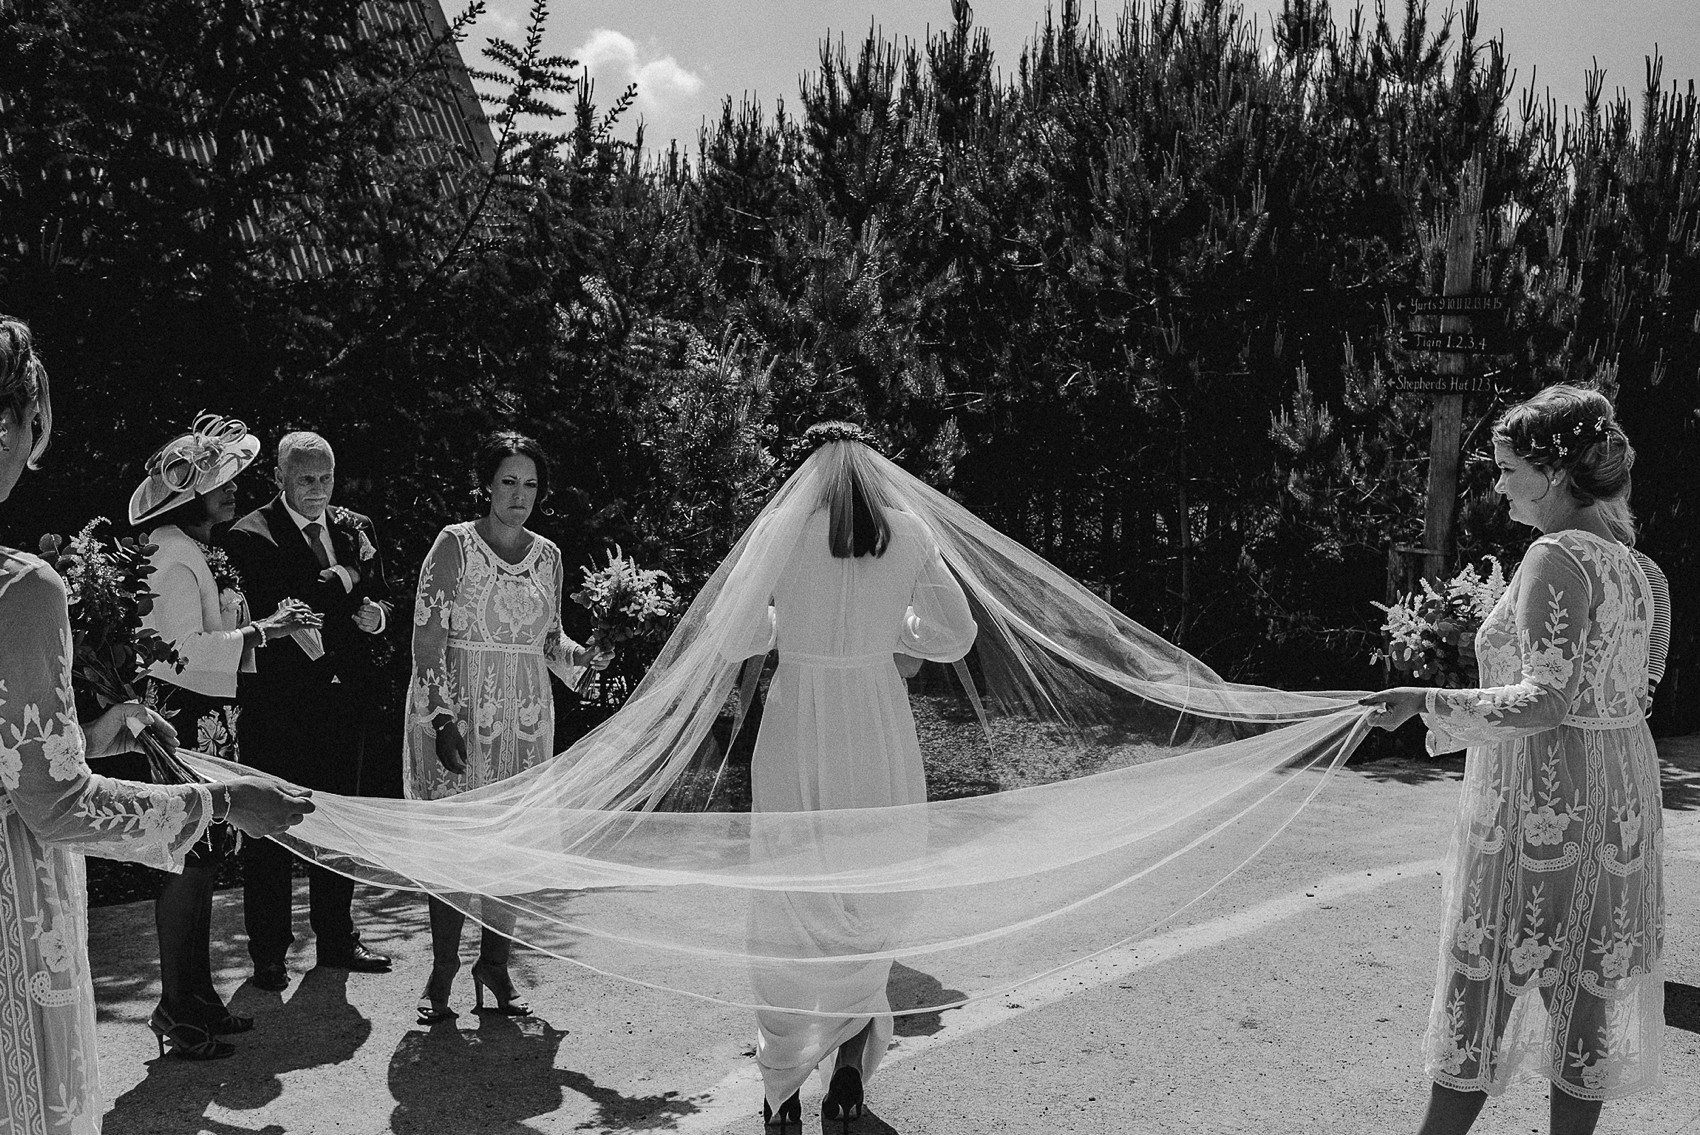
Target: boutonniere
(343,517)
(367,551)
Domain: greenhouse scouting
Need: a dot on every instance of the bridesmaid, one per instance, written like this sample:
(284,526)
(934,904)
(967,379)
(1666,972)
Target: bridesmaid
(1550,961)
(486,634)
(53,809)
(189,490)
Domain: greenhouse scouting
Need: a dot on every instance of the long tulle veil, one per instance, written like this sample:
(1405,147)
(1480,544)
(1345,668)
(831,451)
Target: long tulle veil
(1072,755)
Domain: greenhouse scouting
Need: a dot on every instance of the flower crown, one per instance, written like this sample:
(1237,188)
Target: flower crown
(823,433)
(1562,442)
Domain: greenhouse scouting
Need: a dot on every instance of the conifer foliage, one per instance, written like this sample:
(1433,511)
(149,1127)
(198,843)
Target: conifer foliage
(1131,290)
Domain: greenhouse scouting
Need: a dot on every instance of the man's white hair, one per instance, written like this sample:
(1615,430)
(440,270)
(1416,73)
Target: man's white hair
(302,441)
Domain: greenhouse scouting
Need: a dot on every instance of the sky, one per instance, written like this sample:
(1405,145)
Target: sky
(687,56)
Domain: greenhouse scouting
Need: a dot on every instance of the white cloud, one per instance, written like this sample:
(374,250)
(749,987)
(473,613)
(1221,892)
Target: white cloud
(669,95)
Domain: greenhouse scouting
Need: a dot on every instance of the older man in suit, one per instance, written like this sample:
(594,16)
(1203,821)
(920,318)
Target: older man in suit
(305,708)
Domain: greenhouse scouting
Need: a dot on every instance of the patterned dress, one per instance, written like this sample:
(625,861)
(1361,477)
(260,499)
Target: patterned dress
(53,812)
(486,634)
(1554,908)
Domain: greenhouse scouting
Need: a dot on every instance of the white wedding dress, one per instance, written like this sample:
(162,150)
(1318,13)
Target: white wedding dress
(837,732)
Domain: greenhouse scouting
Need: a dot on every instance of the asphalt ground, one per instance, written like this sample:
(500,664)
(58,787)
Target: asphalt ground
(1293,1000)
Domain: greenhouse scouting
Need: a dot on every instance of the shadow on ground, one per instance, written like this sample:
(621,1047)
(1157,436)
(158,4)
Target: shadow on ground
(1682,1006)
(906,987)
(494,1074)
(315,1027)
(1411,770)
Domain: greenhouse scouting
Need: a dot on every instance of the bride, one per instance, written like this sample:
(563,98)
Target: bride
(864,587)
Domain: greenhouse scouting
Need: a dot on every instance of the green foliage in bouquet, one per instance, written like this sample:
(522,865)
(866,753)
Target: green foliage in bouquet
(106,585)
(628,605)
(1425,629)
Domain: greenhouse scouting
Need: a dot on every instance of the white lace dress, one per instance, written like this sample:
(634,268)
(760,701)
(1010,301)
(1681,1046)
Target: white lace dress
(486,634)
(52,813)
(1554,905)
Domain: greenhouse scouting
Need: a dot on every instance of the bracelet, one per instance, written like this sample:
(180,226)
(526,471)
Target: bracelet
(218,819)
(260,638)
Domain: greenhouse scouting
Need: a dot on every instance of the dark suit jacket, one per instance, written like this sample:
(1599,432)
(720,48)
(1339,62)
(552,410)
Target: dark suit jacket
(305,719)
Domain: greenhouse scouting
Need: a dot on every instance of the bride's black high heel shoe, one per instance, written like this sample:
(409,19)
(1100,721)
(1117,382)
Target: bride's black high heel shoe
(501,989)
(843,1100)
(791,1111)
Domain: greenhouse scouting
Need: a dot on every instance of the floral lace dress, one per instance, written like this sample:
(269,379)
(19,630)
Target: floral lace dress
(1554,905)
(54,811)
(486,634)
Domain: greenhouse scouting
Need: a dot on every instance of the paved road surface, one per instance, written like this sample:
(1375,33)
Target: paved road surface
(1294,1002)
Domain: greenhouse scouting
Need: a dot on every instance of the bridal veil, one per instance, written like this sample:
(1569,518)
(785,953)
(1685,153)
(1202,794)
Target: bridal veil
(1071,755)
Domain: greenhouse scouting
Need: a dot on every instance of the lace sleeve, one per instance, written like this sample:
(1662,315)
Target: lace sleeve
(938,624)
(42,766)
(558,649)
(433,621)
(1554,598)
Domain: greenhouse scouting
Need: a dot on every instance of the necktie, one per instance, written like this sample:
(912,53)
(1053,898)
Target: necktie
(313,531)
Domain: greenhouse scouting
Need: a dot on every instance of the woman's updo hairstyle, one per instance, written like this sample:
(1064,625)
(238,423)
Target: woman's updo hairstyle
(23,382)
(1570,428)
(503,444)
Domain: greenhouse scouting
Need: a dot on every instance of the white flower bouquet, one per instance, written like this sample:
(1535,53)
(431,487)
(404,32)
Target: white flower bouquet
(1425,630)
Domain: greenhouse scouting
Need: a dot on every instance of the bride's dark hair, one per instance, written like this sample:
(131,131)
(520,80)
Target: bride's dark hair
(854,527)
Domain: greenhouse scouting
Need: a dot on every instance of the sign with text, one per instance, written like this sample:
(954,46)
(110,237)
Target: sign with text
(1452,305)
(1446,342)
(1442,384)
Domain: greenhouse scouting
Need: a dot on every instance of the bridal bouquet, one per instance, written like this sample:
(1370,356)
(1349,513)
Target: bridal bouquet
(1425,628)
(111,651)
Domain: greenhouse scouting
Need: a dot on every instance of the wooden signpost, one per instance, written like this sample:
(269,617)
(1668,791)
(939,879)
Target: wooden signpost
(1454,308)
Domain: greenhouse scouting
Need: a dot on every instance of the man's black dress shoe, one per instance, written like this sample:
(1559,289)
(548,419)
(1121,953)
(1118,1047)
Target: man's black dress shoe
(357,957)
(272,978)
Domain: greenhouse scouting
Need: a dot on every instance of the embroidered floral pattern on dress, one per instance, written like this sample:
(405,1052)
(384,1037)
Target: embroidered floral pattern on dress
(486,633)
(54,810)
(1554,900)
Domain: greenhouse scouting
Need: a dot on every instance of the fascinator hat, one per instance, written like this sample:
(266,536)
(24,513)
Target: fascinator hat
(214,451)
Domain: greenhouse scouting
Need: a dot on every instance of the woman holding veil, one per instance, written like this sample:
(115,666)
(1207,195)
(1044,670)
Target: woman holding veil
(863,585)
(54,810)
(1550,959)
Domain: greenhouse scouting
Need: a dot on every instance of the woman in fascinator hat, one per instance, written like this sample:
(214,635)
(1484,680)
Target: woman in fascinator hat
(188,493)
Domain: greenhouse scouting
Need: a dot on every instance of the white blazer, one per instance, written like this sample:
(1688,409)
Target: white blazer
(191,613)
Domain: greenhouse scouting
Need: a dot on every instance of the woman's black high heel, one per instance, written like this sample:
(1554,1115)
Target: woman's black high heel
(501,988)
(186,1041)
(791,1111)
(225,1023)
(433,1006)
(843,1100)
